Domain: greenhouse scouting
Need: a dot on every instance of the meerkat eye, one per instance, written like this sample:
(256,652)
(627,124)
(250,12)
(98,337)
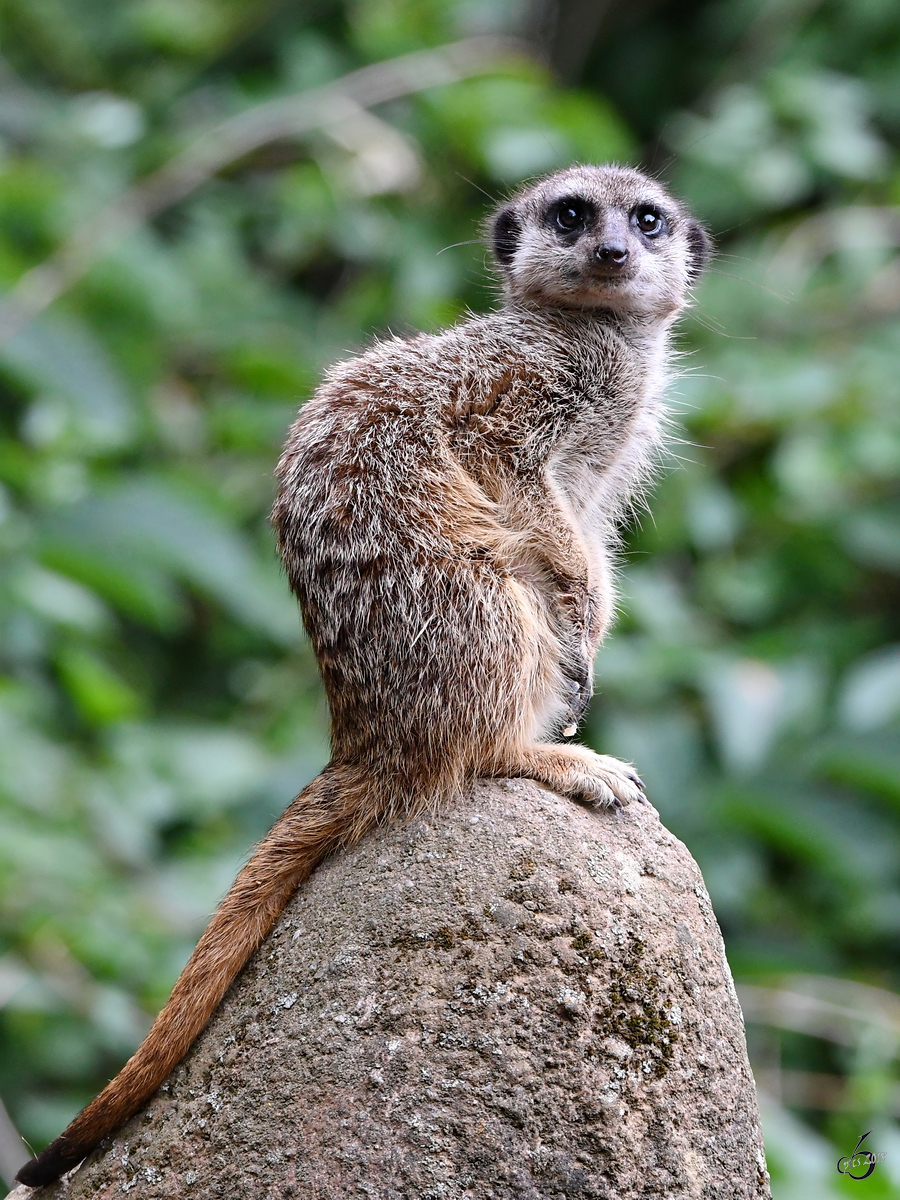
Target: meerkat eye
(570,215)
(650,222)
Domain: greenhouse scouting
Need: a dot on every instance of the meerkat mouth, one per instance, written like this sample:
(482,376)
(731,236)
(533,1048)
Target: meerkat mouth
(597,279)
(609,278)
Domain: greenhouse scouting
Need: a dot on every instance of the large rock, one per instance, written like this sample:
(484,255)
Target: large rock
(516,998)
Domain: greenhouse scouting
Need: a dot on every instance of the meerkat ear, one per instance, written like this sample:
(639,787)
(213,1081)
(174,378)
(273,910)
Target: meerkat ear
(505,233)
(701,247)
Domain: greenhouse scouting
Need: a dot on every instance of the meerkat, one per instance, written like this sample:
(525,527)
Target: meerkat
(447,515)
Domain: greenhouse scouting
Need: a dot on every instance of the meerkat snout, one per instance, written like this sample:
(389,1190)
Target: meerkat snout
(599,237)
(612,255)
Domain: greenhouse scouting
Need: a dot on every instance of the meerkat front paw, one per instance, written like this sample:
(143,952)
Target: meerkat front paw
(607,783)
(589,778)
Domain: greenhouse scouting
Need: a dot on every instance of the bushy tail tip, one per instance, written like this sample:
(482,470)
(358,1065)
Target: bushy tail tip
(59,1157)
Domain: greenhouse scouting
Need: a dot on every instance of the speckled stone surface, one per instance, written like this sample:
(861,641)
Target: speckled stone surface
(517,998)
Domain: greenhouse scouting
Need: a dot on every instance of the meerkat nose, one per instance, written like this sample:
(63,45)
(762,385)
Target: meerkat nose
(612,254)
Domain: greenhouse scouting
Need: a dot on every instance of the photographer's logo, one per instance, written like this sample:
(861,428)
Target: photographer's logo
(861,1163)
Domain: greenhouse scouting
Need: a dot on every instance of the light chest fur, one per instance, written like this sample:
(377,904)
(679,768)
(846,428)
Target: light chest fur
(520,401)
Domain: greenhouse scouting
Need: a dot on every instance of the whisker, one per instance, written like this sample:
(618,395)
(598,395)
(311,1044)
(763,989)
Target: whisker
(731,228)
(753,283)
(472,183)
(736,257)
(453,245)
(719,331)
(659,171)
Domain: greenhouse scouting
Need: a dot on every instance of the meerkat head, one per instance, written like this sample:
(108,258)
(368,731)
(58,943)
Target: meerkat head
(599,237)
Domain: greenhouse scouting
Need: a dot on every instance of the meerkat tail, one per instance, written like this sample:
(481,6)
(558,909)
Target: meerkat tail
(324,815)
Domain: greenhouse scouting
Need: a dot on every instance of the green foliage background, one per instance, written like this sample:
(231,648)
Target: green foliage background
(158,706)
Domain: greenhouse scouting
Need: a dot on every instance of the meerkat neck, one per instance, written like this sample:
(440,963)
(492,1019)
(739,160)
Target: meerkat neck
(647,337)
(634,326)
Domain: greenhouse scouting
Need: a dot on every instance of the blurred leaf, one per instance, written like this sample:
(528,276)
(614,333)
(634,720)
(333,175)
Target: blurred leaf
(59,599)
(751,702)
(873,537)
(153,525)
(97,691)
(64,359)
(870,696)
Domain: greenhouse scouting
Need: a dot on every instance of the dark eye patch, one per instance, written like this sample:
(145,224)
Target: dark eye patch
(571,215)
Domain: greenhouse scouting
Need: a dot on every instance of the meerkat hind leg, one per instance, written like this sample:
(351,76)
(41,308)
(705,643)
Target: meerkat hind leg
(594,779)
